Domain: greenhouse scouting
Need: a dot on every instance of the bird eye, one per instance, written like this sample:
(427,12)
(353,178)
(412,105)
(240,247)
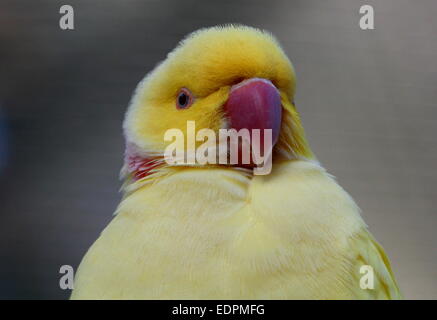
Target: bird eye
(184,99)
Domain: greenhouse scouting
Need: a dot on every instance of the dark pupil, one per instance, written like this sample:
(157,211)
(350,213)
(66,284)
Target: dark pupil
(183,99)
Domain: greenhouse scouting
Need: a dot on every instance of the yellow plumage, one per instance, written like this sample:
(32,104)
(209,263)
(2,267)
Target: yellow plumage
(219,232)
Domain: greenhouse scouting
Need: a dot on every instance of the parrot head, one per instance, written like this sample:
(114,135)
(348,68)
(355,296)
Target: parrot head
(221,77)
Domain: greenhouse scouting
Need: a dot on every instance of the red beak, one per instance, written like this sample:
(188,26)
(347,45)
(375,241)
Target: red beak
(255,104)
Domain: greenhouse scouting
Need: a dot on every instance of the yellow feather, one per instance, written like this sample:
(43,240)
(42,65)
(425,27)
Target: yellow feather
(219,234)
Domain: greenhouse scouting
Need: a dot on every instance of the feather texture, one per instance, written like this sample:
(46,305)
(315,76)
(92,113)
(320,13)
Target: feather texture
(219,234)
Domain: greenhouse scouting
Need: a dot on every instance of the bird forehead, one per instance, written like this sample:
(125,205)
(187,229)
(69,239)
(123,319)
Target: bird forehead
(222,46)
(216,57)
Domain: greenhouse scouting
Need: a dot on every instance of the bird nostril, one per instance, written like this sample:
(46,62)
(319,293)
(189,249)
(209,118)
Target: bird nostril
(238,80)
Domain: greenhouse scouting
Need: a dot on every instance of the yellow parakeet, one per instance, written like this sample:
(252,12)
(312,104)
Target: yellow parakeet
(220,231)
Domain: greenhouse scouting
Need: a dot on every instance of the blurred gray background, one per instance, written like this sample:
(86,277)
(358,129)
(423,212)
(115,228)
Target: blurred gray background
(367,99)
